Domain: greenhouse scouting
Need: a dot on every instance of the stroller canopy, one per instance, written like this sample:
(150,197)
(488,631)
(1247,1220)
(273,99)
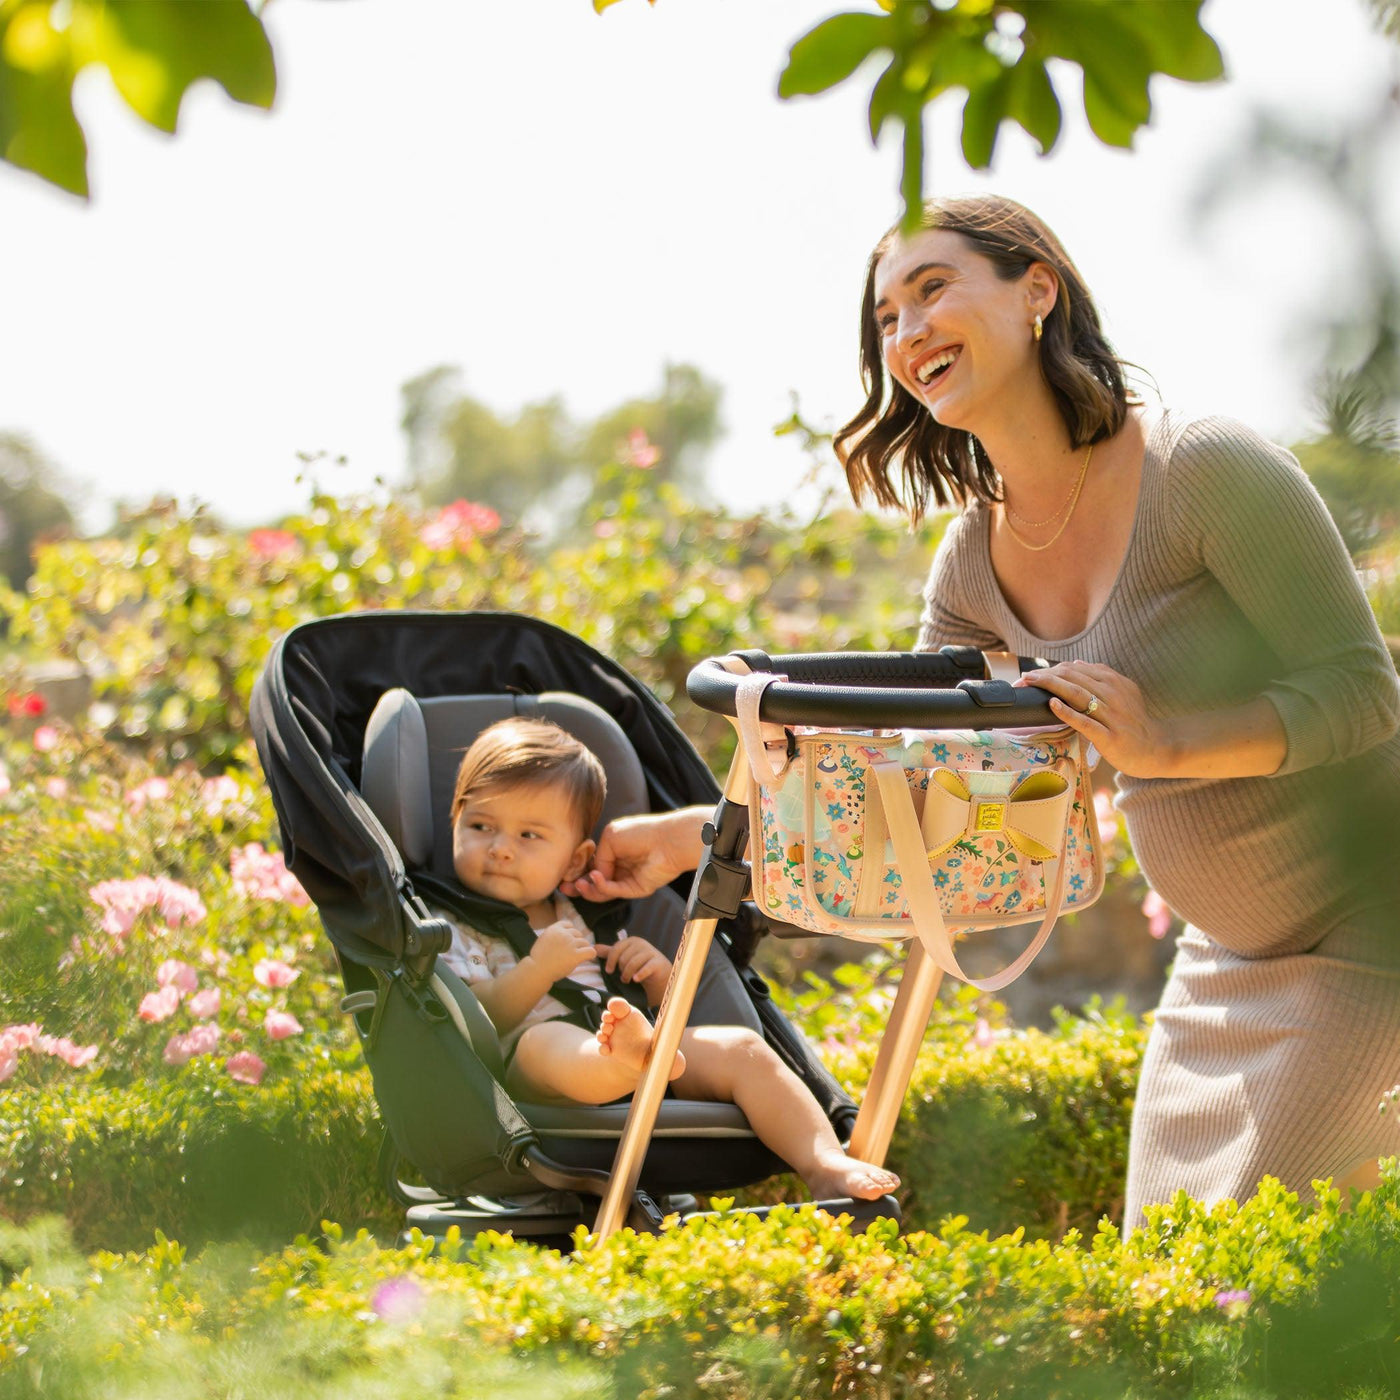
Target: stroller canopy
(313,701)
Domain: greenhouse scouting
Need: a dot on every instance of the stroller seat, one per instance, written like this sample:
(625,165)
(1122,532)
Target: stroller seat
(361,721)
(412,751)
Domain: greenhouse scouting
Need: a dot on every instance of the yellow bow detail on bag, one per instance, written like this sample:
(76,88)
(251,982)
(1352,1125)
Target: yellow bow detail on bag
(1032,816)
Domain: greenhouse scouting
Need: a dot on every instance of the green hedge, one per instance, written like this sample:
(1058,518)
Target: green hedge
(1269,1299)
(203,1158)
(1031,1131)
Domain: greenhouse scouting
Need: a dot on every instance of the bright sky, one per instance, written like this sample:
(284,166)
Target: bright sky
(560,202)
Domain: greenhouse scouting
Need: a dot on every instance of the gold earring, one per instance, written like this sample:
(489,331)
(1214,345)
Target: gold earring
(1038,329)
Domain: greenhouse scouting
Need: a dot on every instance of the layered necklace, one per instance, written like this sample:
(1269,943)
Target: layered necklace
(1067,510)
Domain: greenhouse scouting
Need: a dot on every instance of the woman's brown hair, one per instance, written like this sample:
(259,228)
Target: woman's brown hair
(893,431)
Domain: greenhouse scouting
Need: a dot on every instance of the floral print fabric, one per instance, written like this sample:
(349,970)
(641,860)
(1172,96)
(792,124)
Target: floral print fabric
(816,873)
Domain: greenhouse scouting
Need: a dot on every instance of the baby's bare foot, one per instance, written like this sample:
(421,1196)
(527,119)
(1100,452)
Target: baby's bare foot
(842,1176)
(627,1034)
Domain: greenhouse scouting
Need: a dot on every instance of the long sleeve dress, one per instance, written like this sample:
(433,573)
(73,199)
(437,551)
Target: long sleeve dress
(1279,1029)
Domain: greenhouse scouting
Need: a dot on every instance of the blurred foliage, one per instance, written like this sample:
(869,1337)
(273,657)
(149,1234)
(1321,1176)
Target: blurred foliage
(153,51)
(1382,575)
(540,464)
(1266,1301)
(32,506)
(1355,465)
(174,618)
(1387,13)
(1355,460)
(997,52)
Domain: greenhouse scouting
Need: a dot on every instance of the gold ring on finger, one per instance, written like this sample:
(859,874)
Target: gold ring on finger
(1092,705)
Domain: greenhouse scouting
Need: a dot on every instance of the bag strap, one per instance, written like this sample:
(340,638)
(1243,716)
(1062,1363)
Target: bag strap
(754,736)
(924,909)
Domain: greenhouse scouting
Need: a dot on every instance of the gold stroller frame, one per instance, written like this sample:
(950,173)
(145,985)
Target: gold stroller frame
(985,688)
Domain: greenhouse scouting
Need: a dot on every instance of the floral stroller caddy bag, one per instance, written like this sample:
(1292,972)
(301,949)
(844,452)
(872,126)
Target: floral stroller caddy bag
(914,797)
(925,833)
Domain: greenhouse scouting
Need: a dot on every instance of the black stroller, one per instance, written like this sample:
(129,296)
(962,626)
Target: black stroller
(360,721)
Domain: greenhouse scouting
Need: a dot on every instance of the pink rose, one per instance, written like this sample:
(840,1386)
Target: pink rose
(152,790)
(74,1055)
(982,1035)
(45,738)
(1159,917)
(274,973)
(57,788)
(1107,818)
(458,524)
(216,795)
(202,1038)
(178,904)
(180,1049)
(159,1006)
(280,1024)
(271,544)
(398,1299)
(262,874)
(640,451)
(180,975)
(123,901)
(9,1062)
(245,1067)
(21,1037)
(204,1004)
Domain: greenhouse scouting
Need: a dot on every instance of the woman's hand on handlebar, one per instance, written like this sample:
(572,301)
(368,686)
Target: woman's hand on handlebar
(1109,710)
(637,855)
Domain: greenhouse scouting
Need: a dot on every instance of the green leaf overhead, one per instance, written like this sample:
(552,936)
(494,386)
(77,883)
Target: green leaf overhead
(154,51)
(996,52)
(831,52)
(38,130)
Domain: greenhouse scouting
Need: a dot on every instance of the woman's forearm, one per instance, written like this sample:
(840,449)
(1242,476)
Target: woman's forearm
(1243,741)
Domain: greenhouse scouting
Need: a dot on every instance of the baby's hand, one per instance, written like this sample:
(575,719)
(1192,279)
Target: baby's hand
(561,947)
(635,960)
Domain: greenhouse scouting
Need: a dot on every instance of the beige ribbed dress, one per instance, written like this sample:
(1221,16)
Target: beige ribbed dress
(1279,1029)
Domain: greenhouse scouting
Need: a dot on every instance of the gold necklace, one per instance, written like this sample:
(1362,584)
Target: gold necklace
(1073,501)
(1039,524)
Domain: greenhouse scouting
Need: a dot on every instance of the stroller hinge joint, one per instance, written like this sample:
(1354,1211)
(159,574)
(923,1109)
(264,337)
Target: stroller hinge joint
(722,877)
(424,936)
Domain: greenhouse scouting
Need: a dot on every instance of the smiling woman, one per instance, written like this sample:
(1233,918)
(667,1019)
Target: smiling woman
(973,272)
(1208,634)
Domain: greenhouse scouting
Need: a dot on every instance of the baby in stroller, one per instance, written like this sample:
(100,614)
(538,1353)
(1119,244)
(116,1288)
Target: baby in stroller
(526,797)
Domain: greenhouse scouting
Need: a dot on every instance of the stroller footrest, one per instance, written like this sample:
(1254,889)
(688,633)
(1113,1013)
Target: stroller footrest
(860,1212)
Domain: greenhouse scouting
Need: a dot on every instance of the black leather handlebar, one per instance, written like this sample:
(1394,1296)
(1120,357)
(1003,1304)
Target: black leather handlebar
(879,690)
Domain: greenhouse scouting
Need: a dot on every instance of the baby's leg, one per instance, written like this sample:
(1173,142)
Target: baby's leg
(556,1061)
(734,1065)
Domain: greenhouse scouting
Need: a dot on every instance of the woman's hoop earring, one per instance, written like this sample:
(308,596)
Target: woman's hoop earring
(1038,329)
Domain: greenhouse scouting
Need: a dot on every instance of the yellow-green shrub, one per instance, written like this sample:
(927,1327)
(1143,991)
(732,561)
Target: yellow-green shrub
(1264,1300)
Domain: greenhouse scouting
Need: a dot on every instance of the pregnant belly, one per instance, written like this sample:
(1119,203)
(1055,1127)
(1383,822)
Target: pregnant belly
(1246,860)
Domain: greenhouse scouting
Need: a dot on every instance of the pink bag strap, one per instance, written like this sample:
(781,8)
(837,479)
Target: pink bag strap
(755,736)
(924,909)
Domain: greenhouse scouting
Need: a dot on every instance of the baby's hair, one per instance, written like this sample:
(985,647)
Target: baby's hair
(533,753)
